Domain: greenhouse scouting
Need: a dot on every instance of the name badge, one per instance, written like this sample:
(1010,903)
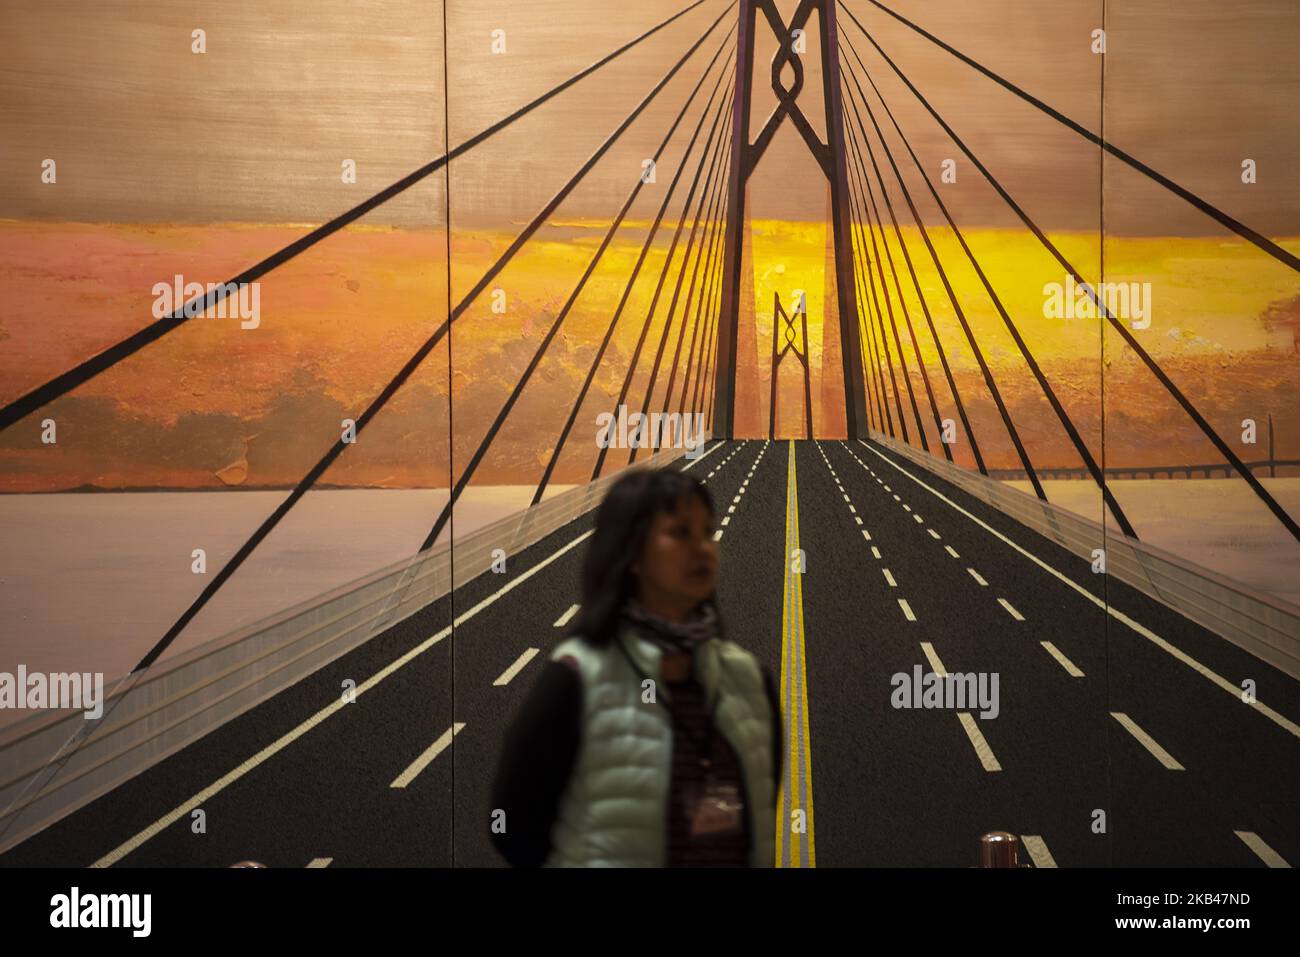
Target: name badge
(717,810)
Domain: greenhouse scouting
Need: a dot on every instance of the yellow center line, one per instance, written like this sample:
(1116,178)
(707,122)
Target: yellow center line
(794,710)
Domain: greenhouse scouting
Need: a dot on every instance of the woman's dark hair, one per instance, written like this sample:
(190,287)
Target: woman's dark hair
(622,529)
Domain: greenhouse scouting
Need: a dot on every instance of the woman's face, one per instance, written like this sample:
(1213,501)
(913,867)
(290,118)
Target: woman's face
(679,567)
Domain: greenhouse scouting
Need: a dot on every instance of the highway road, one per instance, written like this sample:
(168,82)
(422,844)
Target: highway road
(1121,737)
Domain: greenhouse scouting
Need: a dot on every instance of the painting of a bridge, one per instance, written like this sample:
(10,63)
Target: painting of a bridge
(313,314)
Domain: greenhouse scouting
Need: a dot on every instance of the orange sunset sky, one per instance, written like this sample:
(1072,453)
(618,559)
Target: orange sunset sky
(174,162)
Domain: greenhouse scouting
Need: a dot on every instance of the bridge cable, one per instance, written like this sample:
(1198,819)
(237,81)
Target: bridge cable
(961,409)
(711,337)
(396,382)
(618,312)
(893,268)
(989,378)
(714,228)
(1043,384)
(654,301)
(698,330)
(712,194)
(696,363)
(871,317)
(707,369)
(1280,513)
(704,160)
(867,341)
(888,310)
(875,418)
(97,364)
(81,373)
(911,268)
(1241,229)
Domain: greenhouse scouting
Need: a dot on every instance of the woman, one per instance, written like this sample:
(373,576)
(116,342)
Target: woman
(649,739)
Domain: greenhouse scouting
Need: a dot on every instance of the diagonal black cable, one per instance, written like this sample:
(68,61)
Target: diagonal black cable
(83,372)
(873,316)
(1242,469)
(921,226)
(706,372)
(860,175)
(715,329)
(707,193)
(705,319)
(875,217)
(989,379)
(714,195)
(867,323)
(699,397)
(708,242)
(60,759)
(874,418)
(869,343)
(893,268)
(872,319)
(476,459)
(1066,423)
(865,339)
(659,287)
(1241,229)
(911,268)
(618,312)
(715,226)
(700,308)
(1206,429)
(859,293)
(709,370)
(703,312)
(878,333)
(1012,431)
(403,374)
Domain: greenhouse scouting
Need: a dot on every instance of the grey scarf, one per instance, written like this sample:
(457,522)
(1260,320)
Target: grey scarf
(699,627)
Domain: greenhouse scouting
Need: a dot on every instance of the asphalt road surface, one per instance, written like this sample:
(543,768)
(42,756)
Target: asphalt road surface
(1121,737)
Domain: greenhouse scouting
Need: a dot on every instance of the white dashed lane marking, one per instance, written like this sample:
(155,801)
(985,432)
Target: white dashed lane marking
(517,667)
(1280,720)
(1161,755)
(1070,667)
(1037,850)
(1265,853)
(425,759)
(968,724)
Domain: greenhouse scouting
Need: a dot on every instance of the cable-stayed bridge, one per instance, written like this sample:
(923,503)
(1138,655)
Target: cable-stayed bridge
(1146,708)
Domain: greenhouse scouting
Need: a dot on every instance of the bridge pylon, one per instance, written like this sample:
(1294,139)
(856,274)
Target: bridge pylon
(831,159)
(783,327)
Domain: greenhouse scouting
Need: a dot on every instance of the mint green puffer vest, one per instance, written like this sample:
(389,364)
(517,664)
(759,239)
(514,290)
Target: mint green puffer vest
(614,811)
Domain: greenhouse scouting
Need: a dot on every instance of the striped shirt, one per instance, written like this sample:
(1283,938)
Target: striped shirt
(694,737)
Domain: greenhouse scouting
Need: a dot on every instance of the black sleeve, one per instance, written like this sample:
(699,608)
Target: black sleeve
(778,752)
(540,749)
